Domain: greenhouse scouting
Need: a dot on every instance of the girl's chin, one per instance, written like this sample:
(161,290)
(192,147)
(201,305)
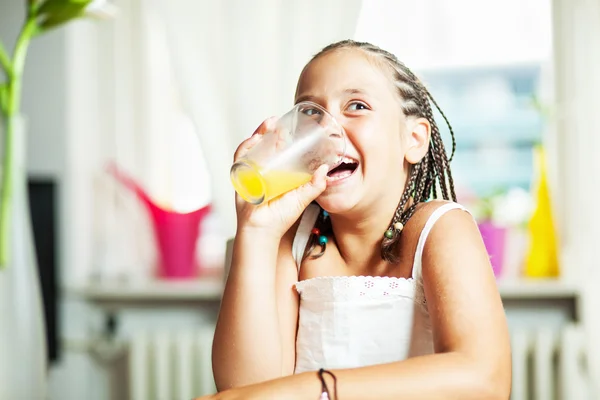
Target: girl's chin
(336,203)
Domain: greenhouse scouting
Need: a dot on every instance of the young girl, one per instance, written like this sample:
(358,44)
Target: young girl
(356,286)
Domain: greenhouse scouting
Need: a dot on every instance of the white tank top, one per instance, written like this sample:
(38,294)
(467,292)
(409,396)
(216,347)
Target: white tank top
(356,321)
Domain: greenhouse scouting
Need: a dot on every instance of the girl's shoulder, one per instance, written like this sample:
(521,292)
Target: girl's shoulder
(434,209)
(442,216)
(425,212)
(446,241)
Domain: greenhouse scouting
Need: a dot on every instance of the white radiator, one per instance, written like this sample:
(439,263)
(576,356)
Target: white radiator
(549,364)
(171,365)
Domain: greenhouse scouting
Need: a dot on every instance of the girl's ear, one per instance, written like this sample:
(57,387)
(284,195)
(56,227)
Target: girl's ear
(419,133)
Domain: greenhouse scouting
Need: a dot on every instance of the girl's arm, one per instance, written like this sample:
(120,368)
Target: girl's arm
(472,359)
(255,337)
(256,329)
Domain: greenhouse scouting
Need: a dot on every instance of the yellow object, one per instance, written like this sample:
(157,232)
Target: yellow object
(542,257)
(252,184)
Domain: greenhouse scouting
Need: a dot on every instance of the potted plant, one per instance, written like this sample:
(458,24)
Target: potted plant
(22,340)
(500,214)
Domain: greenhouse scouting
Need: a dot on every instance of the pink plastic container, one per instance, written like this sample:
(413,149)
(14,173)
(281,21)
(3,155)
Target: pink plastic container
(176,233)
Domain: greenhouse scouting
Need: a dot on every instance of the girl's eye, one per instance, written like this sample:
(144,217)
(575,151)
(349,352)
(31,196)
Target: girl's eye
(311,111)
(356,106)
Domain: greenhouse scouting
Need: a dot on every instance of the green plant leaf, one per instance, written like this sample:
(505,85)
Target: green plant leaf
(33,3)
(50,7)
(60,15)
(3,97)
(5,62)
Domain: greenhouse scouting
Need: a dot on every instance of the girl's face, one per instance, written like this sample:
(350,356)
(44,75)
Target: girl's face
(361,96)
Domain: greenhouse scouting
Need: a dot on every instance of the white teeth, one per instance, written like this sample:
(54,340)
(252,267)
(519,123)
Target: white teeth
(348,160)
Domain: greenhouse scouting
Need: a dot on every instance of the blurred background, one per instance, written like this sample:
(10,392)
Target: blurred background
(132,123)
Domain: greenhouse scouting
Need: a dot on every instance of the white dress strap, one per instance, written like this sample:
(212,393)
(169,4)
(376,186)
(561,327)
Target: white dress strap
(417,264)
(307,223)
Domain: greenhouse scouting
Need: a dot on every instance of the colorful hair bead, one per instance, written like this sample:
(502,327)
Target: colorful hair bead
(325,214)
(322,240)
(315,231)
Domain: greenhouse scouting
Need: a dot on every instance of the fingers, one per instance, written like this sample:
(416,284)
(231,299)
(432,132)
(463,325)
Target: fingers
(245,146)
(266,126)
(319,177)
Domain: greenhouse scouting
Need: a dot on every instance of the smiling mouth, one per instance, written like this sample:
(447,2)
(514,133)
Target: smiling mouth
(346,168)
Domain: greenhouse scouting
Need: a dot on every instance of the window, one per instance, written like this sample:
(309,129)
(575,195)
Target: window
(487,67)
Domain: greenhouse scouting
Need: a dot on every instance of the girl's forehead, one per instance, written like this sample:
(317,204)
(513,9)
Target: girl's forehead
(342,69)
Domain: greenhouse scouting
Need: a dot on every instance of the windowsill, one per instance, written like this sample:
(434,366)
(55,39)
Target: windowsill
(204,289)
(537,289)
(210,289)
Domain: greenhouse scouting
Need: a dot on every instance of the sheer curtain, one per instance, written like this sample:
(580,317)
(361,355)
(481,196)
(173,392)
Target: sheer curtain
(577,58)
(237,63)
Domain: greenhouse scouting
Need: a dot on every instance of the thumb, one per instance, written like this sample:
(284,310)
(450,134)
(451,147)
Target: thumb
(317,184)
(308,192)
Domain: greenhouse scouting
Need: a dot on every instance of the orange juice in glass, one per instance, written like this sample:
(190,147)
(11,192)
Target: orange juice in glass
(286,157)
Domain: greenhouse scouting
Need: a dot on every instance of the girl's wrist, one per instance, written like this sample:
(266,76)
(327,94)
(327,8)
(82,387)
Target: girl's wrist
(255,248)
(328,382)
(260,234)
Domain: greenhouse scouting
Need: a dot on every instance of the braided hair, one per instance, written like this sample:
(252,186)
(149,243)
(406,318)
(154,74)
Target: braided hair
(425,178)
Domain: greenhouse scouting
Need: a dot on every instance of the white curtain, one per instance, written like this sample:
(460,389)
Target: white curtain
(576,26)
(236,63)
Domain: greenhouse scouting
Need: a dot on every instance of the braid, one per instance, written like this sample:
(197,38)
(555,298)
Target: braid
(426,176)
(430,97)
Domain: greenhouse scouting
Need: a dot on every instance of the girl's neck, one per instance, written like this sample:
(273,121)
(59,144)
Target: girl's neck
(359,235)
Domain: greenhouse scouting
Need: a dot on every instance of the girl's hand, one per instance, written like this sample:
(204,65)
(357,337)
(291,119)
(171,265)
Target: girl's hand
(278,215)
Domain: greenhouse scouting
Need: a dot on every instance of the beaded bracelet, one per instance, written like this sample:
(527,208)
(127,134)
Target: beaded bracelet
(324,389)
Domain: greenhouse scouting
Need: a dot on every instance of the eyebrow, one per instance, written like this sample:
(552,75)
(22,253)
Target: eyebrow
(345,92)
(354,91)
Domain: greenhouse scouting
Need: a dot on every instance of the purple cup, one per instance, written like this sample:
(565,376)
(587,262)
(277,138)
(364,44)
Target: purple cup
(494,238)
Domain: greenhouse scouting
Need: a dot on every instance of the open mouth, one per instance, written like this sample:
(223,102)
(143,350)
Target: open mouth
(343,170)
